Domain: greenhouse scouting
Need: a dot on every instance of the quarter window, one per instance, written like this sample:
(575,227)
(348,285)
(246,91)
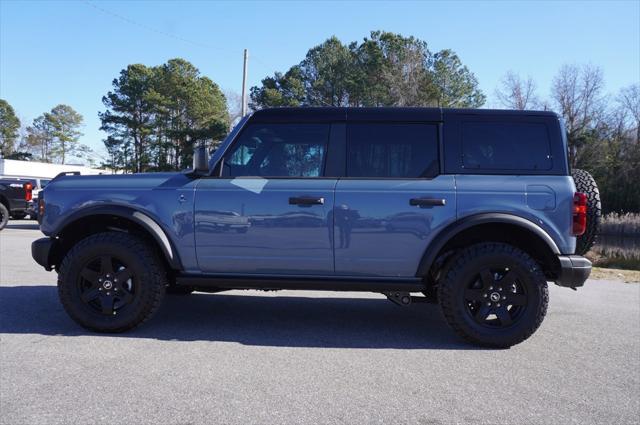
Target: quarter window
(505,146)
(279,150)
(392,150)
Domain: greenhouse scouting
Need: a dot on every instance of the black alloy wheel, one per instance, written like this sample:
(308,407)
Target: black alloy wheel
(111,281)
(493,294)
(495,298)
(107,285)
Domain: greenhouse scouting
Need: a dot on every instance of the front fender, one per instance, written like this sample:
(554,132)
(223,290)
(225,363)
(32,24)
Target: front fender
(143,219)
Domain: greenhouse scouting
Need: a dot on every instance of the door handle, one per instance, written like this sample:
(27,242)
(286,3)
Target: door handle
(427,202)
(305,201)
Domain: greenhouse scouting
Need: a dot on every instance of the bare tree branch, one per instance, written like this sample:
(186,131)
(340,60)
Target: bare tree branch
(517,93)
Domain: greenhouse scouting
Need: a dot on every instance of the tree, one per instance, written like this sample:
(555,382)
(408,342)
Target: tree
(234,106)
(129,114)
(155,115)
(64,124)
(325,73)
(192,109)
(629,100)
(457,86)
(577,95)
(386,69)
(393,70)
(9,126)
(39,139)
(517,93)
(280,90)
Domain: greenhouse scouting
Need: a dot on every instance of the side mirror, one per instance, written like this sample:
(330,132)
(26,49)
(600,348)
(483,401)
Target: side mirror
(200,159)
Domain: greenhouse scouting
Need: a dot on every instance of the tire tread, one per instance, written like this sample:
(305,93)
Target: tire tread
(154,271)
(452,278)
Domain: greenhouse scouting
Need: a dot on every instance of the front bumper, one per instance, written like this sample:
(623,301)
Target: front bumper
(40,249)
(574,270)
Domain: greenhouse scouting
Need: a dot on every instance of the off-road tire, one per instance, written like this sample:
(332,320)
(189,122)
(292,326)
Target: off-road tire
(147,270)
(586,184)
(468,263)
(4,216)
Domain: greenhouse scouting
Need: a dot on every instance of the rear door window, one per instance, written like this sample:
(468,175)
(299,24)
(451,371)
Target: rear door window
(505,146)
(392,150)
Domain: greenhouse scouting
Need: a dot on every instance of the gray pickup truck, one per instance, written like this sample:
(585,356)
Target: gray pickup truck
(474,209)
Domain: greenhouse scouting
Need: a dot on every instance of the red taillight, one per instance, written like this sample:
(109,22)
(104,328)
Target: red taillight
(579,213)
(28,187)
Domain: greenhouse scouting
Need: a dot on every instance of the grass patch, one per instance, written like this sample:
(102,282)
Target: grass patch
(614,260)
(623,225)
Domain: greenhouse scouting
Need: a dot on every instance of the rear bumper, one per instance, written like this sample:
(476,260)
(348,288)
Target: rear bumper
(574,270)
(40,249)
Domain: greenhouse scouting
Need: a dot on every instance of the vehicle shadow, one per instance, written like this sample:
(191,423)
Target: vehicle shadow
(280,321)
(23,225)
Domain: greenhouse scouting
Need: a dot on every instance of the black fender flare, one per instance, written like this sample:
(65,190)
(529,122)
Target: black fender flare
(143,219)
(465,223)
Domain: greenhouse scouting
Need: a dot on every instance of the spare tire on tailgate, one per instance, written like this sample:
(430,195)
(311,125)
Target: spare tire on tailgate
(586,184)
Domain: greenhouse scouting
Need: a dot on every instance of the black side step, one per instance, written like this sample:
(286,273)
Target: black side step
(315,283)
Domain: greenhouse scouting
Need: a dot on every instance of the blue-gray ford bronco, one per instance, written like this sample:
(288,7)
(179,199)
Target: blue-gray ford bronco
(473,209)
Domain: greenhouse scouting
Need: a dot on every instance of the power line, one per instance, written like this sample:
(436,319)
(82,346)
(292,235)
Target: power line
(149,28)
(182,39)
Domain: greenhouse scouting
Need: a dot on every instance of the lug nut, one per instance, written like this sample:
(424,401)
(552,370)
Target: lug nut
(500,289)
(484,295)
(491,288)
(488,304)
(498,305)
(504,298)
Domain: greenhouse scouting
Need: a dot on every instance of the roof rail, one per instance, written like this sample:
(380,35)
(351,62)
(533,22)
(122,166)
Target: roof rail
(66,173)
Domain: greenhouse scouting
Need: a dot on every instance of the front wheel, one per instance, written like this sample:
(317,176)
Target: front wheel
(494,295)
(111,282)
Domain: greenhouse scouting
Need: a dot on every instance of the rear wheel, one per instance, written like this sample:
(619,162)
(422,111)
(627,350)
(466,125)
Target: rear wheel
(18,216)
(494,295)
(4,216)
(111,282)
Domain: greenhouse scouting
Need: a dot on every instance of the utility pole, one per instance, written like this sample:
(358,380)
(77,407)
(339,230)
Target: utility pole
(243,110)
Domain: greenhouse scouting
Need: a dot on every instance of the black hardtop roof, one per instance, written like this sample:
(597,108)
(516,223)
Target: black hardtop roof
(323,114)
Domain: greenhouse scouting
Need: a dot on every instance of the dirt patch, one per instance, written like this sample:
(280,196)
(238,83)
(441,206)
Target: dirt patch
(628,276)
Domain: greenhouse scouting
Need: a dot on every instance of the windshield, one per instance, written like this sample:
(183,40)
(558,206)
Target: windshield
(225,143)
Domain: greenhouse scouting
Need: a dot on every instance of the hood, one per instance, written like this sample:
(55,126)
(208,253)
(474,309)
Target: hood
(118,181)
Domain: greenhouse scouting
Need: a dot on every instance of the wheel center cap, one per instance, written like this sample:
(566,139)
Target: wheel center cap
(107,284)
(495,297)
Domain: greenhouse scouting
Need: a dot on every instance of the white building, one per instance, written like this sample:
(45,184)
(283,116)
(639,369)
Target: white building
(40,170)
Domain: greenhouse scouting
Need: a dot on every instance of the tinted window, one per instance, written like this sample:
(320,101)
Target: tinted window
(392,150)
(505,146)
(278,150)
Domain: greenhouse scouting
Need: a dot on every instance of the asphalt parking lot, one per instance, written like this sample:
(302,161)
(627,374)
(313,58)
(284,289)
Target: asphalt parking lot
(308,357)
